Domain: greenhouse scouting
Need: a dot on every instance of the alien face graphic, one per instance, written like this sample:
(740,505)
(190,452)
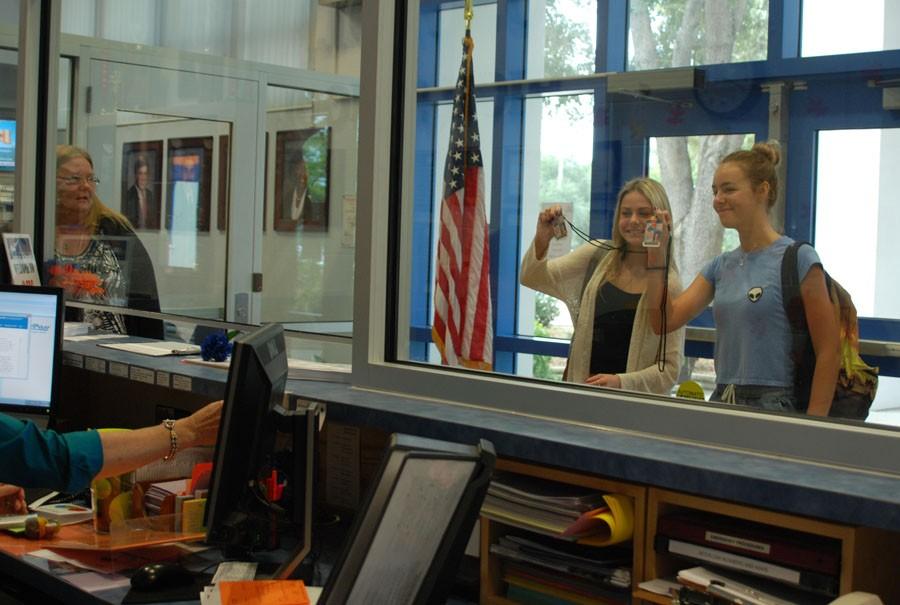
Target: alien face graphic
(754,293)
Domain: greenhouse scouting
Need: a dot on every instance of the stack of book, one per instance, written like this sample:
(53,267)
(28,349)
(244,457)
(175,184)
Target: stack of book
(808,563)
(549,553)
(159,499)
(560,510)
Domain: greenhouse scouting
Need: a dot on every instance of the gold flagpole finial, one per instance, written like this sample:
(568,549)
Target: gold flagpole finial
(468,13)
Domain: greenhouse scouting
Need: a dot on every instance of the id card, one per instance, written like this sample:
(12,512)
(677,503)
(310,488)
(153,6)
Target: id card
(559,227)
(652,234)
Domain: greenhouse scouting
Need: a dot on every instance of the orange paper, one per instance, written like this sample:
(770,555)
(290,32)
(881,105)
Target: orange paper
(264,592)
(200,476)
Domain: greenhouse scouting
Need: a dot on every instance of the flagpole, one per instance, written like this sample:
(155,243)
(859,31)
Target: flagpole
(468,14)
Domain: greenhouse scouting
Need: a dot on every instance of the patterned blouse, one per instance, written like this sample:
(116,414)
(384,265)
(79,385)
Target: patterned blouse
(96,276)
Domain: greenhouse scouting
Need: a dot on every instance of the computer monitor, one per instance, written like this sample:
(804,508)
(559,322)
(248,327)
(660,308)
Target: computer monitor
(238,515)
(30,348)
(408,539)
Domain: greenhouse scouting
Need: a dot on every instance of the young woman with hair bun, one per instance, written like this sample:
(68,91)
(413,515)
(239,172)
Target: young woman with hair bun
(753,335)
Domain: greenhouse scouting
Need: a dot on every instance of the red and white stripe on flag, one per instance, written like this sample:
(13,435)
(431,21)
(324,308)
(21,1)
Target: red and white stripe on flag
(462,328)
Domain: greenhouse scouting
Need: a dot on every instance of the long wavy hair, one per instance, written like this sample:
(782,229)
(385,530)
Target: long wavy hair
(98,210)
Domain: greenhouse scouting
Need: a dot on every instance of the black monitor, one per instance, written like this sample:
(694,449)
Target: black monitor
(31,328)
(238,517)
(408,539)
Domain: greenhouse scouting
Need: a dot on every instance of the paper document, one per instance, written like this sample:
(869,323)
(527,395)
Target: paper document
(298,369)
(154,349)
(90,337)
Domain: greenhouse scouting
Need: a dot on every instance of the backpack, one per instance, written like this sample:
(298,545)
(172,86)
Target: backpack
(857,381)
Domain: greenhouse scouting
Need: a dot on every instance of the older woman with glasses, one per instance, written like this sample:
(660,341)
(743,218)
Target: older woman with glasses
(99,258)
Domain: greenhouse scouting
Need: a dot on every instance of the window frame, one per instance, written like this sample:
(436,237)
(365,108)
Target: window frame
(387,87)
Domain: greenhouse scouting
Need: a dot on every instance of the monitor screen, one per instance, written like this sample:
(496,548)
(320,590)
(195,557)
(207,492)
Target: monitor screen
(407,540)
(236,513)
(7,145)
(30,347)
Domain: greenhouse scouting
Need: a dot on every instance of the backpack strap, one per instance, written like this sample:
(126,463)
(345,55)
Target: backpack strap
(802,353)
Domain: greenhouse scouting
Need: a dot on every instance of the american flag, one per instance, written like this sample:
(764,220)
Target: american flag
(462,328)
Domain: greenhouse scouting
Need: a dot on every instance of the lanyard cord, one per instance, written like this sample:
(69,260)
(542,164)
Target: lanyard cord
(664,327)
(597,244)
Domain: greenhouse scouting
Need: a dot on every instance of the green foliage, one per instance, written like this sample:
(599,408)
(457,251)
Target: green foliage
(568,48)
(572,185)
(568,51)
(545,311)
(666,17)
(315,154)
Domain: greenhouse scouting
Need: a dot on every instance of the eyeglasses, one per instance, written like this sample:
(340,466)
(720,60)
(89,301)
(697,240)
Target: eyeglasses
(75,180)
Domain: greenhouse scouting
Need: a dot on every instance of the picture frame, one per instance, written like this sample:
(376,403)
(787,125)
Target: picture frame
(141,184)
(189,171)
(302,169)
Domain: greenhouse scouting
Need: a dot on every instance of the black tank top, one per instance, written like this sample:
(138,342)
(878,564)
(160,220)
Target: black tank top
(613,322)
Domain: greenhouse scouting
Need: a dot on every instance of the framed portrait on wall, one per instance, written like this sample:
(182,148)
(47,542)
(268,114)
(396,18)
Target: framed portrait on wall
(189,179)
(302,161)
(142,183)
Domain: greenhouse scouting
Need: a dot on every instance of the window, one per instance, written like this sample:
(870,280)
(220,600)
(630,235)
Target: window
(835,27)
(679,34)
(226,219)
(734,101)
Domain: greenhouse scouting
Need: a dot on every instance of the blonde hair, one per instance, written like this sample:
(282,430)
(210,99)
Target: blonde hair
(99,210)
(759,165)
(659,200)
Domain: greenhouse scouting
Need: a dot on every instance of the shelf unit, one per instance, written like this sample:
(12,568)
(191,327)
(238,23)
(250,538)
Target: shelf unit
(870,557)
(492,585)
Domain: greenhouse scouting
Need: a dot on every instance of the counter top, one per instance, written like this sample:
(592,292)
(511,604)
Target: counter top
(836,494)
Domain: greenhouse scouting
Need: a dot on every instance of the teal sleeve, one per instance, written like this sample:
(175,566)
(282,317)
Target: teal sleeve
(35,458)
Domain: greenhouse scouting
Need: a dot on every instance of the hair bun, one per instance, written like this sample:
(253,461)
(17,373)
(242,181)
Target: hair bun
(771,150)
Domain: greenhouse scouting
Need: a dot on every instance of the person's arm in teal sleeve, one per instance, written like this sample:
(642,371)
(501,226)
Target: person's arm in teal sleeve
(35,458)
(68,462)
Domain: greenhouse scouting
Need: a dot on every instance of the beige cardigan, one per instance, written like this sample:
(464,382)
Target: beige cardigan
(563,278)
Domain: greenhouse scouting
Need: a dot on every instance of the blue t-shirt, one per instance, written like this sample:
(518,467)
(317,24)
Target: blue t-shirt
(753,335)
(35,458)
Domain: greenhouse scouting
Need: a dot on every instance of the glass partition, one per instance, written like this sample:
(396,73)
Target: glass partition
(309,231)
(546,140)
(202,119)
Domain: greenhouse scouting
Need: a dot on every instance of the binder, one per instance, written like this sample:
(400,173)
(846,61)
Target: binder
(808,580)
(778,545)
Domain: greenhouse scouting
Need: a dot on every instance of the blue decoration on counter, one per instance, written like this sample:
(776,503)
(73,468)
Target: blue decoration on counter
(215,347)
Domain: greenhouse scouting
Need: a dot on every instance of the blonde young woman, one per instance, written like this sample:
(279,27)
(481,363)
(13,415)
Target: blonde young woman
(613,344)
(98,257)
(753,335)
